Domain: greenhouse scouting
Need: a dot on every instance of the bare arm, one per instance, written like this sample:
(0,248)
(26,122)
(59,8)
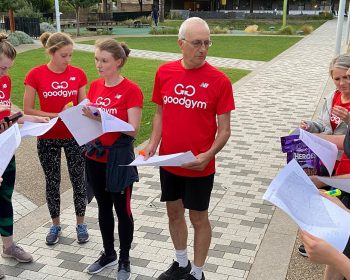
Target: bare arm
(223,134)
(319,251)
(29,104)
(134,118)
(81,94)
(156,135)
(338,140)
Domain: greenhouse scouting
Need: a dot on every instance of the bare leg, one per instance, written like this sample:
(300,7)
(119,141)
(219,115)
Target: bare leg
(202,236)
(177,224)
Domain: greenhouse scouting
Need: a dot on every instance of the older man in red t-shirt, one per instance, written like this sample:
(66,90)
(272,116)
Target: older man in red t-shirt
(194,103)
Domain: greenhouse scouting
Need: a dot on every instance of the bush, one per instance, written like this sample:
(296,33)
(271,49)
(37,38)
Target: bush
(164,30)
(13,39)
(325,15)
(47,27)
(145,20)
(307,29)
(105,31)
(287,30)
(23,38)
(219,30)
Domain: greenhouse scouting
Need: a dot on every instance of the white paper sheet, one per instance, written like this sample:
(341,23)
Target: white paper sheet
(166,160)
(325,150)
(36,129)
(293,192)
(9,142)
(342,184)
(85,129)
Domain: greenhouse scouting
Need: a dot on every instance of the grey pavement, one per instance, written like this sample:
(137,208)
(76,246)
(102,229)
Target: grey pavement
(251,239)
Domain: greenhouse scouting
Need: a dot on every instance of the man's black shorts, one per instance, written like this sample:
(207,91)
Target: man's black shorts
(194,191)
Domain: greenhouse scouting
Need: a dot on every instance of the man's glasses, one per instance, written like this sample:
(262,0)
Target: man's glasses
(199,43)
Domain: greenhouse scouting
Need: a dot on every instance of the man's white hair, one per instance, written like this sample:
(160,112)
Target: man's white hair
(191,20)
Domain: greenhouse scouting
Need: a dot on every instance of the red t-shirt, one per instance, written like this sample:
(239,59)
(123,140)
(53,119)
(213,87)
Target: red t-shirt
(190,99)
(116,101)
(55,90)
(5,95)
(335,120)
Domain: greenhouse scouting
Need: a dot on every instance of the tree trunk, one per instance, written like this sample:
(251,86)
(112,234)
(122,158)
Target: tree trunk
(251,6)
(104,6)
(161,10)
(12,21)
(140,3)
(77,16)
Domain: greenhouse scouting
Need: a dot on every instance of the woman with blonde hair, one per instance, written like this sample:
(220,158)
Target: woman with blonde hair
(63,85)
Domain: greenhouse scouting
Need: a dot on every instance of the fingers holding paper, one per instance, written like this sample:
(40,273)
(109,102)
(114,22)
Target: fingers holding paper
(87,112)
(200,163)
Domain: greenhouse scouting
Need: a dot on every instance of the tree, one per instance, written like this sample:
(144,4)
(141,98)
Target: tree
(161,10)
(251,8)
(140,3)
(77,5)
(42,5)
(10,6)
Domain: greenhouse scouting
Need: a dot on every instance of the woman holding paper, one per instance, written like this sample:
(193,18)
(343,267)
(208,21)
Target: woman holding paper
(58,85)
(112,184)
(9,249)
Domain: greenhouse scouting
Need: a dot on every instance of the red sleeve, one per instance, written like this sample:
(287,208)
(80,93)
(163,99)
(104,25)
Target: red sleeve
(225,97)
(89,95)
(157,96)
(135,98)
(83,79)
(31,79)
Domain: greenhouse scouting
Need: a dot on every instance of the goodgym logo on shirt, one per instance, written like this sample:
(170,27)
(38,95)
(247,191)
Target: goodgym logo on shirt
(60,89)
(2,99)
(103,103)
(184,92)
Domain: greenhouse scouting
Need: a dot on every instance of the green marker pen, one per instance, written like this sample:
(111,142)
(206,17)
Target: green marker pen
(335,192)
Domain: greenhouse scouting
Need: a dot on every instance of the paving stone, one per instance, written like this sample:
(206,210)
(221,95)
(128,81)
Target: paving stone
(69,256)
(73,265)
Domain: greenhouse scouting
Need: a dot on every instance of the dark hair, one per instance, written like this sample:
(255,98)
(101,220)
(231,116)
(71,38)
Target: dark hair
(54,41)
(6,47)
(118,50)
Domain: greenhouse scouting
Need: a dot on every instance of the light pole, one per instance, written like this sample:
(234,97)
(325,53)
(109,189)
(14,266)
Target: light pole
(340,23)
(58,21)
(284,21)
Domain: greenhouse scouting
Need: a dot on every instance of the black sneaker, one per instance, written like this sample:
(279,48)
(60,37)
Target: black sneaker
(102,262)
(124,270)
(302,250)
(191,277)
(175,272)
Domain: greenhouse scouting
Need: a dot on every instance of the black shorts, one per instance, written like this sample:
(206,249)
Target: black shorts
(194,191)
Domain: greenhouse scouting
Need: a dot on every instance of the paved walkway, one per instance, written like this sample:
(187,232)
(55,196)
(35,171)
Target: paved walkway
(251,240)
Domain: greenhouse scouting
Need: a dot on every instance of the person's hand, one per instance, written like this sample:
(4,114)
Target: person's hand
(200,163)
(0,180)
(149,151)
(316,181)
(318,250)
(342,113)
(4,108)
(4,125)
(335,200)
(303,125)
(91,115)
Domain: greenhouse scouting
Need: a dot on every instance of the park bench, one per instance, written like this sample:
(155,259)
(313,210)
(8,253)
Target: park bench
(99,28)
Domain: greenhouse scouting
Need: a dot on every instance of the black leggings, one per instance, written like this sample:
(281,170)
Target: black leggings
(49,151)
(96,176)
(6,191)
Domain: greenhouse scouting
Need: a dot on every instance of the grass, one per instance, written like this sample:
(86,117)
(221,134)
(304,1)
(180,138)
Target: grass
(239,47)
(139,70)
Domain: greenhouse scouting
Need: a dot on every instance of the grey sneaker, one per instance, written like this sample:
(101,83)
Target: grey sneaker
(53,235)
(2,274)
(102,262)
(124,270)
(17,253)
(82,233)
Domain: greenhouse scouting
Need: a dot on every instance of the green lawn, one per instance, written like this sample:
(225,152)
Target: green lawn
(139,70)
(239,47)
